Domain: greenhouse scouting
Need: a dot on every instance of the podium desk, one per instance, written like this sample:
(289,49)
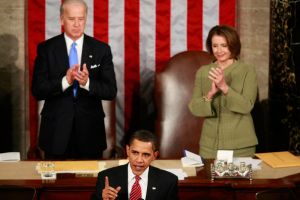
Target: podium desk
(197,186)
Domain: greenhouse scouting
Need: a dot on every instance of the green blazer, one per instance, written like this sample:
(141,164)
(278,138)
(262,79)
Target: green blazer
(228,123)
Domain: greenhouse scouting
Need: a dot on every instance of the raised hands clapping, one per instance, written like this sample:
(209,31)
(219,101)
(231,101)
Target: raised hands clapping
(216,75)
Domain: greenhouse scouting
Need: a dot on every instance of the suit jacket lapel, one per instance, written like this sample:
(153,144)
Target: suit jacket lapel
(87,52)
(123,182)
(151,188)
(61,53)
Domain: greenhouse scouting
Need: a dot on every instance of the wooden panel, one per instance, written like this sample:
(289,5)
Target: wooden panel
(70,186)
(66,194)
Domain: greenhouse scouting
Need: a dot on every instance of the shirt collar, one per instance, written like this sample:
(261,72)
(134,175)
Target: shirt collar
(69,41)
(144,175)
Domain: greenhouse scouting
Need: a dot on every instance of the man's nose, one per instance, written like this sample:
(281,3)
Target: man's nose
(76,22)
(139,158)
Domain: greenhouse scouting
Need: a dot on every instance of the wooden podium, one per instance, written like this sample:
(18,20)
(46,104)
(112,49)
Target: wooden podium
(197,186)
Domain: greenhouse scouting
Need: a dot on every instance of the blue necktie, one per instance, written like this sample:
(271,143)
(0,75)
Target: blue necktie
(73,59)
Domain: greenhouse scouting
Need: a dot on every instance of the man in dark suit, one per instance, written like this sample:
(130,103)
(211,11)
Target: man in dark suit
(118,182)
(72,119)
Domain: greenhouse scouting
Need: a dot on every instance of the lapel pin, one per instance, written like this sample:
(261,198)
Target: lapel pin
(90,56)
(153,188)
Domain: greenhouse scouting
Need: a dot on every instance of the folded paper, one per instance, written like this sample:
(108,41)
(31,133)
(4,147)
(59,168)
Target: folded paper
(279,159)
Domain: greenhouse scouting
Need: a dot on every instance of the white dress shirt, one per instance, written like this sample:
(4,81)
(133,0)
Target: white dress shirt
(79,44)
(143,181)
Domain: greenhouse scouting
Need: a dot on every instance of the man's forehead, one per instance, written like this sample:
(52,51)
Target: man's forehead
(137,144)
(137,141)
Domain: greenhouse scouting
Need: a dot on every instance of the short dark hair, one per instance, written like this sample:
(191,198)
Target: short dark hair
(144,136)
(231,36)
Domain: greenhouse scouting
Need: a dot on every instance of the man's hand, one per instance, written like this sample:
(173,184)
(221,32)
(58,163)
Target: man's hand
(109,193)
(70,76)
(82,76)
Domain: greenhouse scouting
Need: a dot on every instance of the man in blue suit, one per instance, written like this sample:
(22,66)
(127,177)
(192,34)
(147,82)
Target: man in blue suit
(72,119)
(155,184)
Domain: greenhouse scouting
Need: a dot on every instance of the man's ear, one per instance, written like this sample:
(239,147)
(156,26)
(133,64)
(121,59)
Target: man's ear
(61,20)
(156,153)
(127,150)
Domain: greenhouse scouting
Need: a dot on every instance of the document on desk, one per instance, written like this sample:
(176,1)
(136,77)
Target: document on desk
(279,159)
(10,157)
(178,172)
(191,159)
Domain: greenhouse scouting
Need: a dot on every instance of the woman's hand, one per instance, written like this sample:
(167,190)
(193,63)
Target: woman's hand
(216,75)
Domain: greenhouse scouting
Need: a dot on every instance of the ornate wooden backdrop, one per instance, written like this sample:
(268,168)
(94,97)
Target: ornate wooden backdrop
(284,99)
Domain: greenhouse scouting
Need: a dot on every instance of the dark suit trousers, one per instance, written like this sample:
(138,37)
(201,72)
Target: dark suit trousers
(73,152)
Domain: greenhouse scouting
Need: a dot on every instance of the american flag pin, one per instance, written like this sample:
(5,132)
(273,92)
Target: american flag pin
(153,188)
(90,56)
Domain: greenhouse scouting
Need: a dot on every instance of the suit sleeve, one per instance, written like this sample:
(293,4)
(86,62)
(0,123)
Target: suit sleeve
(43,84)
(243,101)
(197,105)
(103,85)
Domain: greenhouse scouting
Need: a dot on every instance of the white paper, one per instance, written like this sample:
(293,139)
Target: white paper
(191,160)
(10,156)
(178,172)
(225,155)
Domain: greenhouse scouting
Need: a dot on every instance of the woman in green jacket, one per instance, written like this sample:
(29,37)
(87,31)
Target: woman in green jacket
(224,93)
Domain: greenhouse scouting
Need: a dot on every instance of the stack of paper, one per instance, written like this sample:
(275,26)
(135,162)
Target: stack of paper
(178,172)
(10,156)
(279,159)
(191,160)
(225,155)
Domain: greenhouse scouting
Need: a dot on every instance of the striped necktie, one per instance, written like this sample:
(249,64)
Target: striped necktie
(73,59)
(136,191)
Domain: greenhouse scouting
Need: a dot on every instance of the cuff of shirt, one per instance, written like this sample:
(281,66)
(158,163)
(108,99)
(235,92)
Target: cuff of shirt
(64,83)
(87,85)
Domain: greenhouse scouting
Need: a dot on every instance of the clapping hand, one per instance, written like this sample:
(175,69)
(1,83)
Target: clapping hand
(81,75)
(70,76)
(74,73)
(216,75)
